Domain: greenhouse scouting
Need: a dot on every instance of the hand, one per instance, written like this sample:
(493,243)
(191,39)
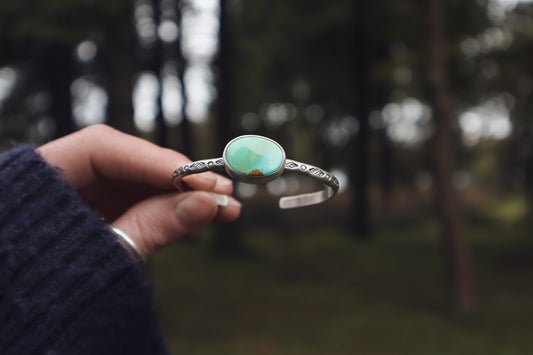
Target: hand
(127,181)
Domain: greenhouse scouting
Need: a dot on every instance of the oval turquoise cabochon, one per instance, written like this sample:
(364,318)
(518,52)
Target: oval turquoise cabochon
(254,155)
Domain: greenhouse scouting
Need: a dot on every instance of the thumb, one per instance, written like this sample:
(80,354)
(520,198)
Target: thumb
(161,220)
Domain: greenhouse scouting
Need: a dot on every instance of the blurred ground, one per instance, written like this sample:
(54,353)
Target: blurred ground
(319,291)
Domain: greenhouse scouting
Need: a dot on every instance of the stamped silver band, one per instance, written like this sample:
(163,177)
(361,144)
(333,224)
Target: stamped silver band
(307,199)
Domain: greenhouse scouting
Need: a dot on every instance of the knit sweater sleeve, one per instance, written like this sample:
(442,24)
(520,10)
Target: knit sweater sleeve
(67,286)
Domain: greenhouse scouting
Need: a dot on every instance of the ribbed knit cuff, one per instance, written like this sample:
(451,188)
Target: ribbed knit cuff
(66,284)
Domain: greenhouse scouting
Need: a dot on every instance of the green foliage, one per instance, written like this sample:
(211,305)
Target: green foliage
(510,210)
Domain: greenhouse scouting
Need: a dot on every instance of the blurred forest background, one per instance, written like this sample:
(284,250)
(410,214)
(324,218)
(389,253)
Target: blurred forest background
(421,108)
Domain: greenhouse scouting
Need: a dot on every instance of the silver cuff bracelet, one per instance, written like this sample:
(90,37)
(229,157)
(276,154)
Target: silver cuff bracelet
(257,160)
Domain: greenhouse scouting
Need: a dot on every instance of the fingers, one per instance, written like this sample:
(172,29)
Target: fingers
(161,220)
(220,184)
(137,173)
(100,150)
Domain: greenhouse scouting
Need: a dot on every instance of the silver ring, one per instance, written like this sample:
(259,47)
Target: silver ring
(129,243)
(257,160)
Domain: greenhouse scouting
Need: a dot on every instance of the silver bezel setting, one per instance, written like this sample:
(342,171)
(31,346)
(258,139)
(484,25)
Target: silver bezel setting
(248,178)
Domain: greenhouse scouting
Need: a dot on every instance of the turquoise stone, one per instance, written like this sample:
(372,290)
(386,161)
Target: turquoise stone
(254,156)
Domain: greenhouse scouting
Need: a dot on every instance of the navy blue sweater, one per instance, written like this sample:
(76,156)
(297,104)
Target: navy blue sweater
(67,286)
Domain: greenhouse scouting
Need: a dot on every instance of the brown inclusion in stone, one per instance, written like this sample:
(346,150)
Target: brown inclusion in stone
(255,172)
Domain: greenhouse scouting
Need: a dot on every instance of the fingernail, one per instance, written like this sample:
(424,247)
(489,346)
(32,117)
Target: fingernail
(222,200)
(225,182)
(208,177)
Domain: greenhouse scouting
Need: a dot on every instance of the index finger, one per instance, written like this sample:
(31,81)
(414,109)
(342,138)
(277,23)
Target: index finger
(100,150)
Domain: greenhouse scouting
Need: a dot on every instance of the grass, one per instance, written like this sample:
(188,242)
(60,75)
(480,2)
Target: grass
(321,292)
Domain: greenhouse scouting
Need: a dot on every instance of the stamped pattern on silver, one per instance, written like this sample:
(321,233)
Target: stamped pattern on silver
(313,171)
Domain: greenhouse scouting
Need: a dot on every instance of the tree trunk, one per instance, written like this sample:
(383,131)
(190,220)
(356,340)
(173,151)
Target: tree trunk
(186,131)
(359,167)
(119,70)
(155,65)
(457,249)
(59,69)
(228,240)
